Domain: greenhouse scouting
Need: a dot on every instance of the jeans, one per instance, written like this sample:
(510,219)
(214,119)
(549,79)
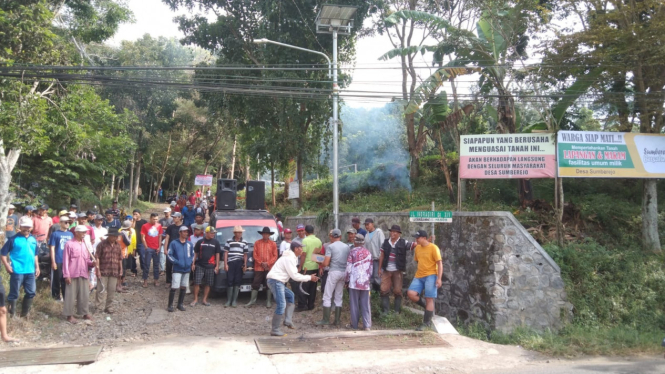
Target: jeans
(151,254)
(305,301)
(18,280)
(281,294)
(141,252)
(57,283)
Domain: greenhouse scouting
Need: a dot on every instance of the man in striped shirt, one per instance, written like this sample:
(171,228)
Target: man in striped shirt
(235,263)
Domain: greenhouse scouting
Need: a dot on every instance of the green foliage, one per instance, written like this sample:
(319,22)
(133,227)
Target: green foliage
(25,32)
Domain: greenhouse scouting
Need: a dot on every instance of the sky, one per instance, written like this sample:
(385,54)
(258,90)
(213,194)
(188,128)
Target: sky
(156,18)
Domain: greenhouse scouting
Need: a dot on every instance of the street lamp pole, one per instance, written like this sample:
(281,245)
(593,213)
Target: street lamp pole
(335,126)
(266,41)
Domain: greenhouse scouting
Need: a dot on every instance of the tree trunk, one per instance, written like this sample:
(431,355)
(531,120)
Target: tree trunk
(272,183)
(299,175)
(131,181)
(7,164)
(247,176)
(112,183)
(650,215)
(233,159)
(205,172)
(219,172)
(137,177)
(414,167)
(162,173)
(444,166)
(560,230)
(152,188)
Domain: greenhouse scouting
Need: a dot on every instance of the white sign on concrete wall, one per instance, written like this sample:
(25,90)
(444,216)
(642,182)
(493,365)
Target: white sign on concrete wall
(294,190)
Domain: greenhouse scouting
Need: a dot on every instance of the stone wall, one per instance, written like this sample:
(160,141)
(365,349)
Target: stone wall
(494,272)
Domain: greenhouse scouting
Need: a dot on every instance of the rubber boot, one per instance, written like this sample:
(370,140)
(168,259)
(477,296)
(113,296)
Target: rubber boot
(276,325)
(288,315)
(181,300)
(229,296)
(171,297)
(11,308)
(338,316)
(427,321)
(268,301)
(252,301)
(385,305)
(422,302)
(236,289)
(27,304)
(326,317)
(398,304)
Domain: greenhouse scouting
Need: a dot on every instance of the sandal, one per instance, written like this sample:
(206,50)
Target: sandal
(206,303)
(193,304)
(145,285)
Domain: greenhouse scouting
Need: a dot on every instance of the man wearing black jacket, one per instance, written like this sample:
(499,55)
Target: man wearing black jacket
(392,265)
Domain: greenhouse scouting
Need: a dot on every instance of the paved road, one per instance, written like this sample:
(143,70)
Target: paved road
(643,365)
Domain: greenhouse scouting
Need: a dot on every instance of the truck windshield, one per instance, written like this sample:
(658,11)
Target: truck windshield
(250,235)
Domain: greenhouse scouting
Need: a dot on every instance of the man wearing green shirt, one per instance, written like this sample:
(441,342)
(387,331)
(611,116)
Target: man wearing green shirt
(311,245)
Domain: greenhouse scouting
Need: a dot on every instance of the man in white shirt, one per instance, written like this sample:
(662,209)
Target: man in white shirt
(373,241)
(284,269)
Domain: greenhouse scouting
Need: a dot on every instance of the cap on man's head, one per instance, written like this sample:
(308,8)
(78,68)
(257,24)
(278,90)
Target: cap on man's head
(351,230)
(44,207)
(309,229)
(64,218)
(108,211)
(81,215)
(198,227)
(73,206)
(287,231)
(90,213)
(368,220)
(183,228)
(360,238)
(99,217)
(173,203)
(81,228)
(355,220)
(295,245)
(336,233)
(177,215)
(126,225)
(72,215)
(396,228)
(420,234)
(29,208)
(300,227)
(25,222)
(167,210)
(11,206)
(63,213)
(210,229)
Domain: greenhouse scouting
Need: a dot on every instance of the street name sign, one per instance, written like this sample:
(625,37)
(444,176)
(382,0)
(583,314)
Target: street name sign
(442,216)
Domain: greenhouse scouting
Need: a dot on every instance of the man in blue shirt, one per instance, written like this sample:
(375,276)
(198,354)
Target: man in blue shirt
(19,256)
(56,243)
(189,214)
(111,221)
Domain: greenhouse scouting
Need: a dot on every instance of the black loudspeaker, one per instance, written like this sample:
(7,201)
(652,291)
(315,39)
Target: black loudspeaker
(256,195)
(226,194)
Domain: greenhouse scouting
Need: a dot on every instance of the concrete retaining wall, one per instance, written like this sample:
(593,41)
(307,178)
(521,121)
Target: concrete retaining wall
(494,271)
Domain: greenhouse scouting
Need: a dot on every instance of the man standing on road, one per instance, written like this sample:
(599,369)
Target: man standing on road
(206,264)
(151,234)
(111,221)
(181,255)
(198,220)
(77,260)
(427,277)
(22,266)
(167,220)
(170,234)
(280,225)
(350,236)
(41,222)
(100,231)
(355,222)
(109,269)
(337,254)
(373,241)
(12,221)
(57,243)
(295,286)
(188,214)
(285,269)
(358,275)
(265,255)
(235,263)
(29,211)
(140,250)
(115,211)
(300,234)
(392,265)
(198,234)
(286,243)
(311,245)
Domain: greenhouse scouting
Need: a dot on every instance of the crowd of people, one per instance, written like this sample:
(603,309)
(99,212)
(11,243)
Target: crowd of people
(94,253)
